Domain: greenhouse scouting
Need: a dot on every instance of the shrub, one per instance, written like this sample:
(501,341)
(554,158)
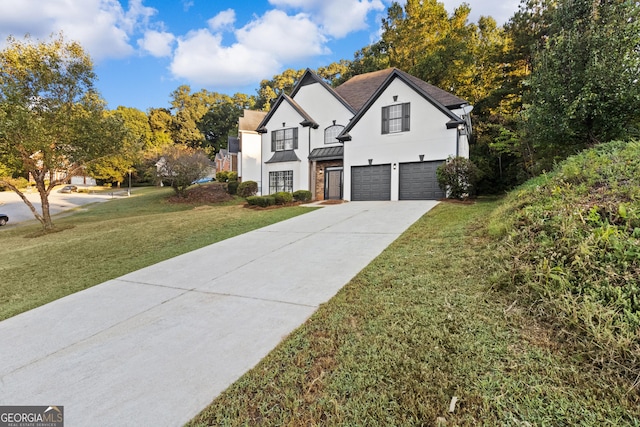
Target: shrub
(283,197)
(232,176)
(222,176)
(302,196)
(247,188)
(232,187)
(458,177)
(262,201)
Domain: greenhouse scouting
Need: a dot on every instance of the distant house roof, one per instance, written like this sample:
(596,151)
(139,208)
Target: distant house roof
(327,153)
(359,89)
(283,156)
(250,120)
(233,144)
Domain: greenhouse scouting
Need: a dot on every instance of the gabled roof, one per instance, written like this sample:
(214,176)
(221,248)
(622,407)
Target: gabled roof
(365,89)
(250,120)
(307,120)
(359,89)
(309,77)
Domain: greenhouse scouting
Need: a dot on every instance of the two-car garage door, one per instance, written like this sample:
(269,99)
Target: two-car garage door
(417,181)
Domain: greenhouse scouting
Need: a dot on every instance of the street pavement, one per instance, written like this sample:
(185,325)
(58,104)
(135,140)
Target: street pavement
(154,347)
(11,204)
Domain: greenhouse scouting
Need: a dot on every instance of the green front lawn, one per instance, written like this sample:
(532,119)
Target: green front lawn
(106,240)
(417,328)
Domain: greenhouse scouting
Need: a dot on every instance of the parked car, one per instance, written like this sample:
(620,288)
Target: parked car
(202,180)
(68,189)
(4,219)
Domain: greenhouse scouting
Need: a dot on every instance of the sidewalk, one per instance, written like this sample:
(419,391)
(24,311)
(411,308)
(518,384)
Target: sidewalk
(154,347)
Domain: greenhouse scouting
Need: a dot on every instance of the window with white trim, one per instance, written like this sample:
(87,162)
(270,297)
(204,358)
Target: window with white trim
(331,133)
(284,139)
(396,118)
(280,181)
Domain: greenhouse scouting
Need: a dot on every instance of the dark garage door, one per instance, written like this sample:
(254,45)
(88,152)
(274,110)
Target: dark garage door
(418,181)
(371,182)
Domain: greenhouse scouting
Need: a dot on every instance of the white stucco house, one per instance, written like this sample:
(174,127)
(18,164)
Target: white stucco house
(378,136)
(249,151)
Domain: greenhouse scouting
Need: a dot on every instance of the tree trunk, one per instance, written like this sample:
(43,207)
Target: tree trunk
(33,209)
(47,224)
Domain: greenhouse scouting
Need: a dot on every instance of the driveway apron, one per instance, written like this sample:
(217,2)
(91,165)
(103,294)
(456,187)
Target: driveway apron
(155,346)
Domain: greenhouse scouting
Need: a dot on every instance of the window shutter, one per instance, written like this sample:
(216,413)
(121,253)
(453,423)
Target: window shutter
(295,138)
(406,116)
(273,140)
(385,120)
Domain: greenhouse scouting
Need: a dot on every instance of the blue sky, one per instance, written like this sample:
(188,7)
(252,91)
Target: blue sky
(144,49)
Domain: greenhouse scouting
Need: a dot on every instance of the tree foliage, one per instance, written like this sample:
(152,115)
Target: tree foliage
(584,85)
(52,122)
(180,165)
(138,138)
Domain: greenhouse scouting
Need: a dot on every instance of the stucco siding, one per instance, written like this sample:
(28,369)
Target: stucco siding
(428,136)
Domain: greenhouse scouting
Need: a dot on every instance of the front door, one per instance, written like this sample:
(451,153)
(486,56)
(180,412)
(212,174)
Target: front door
(333,184)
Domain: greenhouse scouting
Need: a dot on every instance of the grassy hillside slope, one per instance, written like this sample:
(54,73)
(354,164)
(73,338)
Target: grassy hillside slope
(569,241)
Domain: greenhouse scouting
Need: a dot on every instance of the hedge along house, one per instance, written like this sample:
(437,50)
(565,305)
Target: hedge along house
(379,136)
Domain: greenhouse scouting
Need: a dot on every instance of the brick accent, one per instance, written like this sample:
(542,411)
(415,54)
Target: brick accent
(319,175)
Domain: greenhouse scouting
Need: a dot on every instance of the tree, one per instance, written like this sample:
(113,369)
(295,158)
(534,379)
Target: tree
(181,165)
(584,83)
(160,122)
(52,122)
(188,109)
(137,139)
(281,83)
(423,40)
(221,121)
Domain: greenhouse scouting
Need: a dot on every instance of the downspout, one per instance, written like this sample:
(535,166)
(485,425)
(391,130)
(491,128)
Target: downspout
(311,172)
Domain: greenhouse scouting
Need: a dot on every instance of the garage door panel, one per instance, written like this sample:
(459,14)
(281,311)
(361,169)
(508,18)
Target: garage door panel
(418,181)
(371,182)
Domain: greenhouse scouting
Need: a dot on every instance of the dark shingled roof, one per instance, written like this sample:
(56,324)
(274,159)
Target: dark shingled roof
(359,89)
(283,156)
(234,144)
(327,153)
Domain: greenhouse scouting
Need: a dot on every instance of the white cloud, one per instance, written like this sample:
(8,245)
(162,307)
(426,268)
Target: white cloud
(337,18)
(222,20)
(201,58)
(103,27)
(285,37)
(263,46)
(157,43)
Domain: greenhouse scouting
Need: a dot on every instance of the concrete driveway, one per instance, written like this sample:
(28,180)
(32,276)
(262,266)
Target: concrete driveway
(154,347)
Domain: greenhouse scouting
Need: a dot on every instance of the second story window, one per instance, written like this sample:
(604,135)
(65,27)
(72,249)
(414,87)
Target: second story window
(396,118)
(331,133)
(284,139)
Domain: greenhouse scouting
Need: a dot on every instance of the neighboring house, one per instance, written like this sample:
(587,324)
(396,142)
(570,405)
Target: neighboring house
(225,160)
(249,152)
(379,136)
